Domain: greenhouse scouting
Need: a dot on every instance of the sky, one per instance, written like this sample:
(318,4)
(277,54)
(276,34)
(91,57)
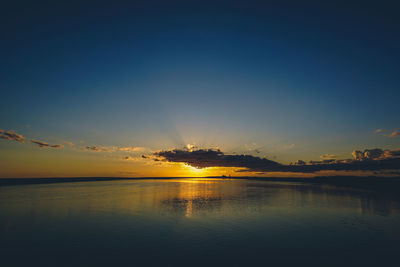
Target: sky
(100,88)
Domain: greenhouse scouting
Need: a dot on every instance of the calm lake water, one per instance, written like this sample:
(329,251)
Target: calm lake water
(187,222)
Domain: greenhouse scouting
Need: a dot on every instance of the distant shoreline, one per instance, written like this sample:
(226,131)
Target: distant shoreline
(24,181)
(374,183)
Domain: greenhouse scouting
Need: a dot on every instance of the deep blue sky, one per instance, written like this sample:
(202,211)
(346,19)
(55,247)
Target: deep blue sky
(232,74)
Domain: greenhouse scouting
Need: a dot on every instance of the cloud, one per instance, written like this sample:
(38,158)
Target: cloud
(327,156)
(288,147)
(11,135)
(132,158)
(191,147)
(70,144)
(253,147)
(203,158)
(370,159)
(300,162)
(394,134)
(129,149)
(100,148)
(375,154)
(132,149)
(44,144)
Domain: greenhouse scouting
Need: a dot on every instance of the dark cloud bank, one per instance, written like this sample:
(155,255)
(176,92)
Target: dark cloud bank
(367,160)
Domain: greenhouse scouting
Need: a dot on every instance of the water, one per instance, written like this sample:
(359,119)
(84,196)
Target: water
(192,222)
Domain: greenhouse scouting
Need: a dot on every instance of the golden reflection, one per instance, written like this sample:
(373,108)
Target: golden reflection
(189,208)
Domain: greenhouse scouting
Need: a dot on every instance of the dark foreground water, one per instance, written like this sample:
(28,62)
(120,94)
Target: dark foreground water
(191,222)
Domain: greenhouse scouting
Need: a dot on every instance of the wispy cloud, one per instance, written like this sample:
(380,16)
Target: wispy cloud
(128,149)
(371,159)
(288,147)
(11,135)
(132,149)
(253,147)
(328,156)
(70,144)
(100,148)
(394,134)
(44,144)
(132,158)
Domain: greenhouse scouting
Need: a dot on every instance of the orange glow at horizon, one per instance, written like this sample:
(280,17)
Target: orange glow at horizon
(197,172)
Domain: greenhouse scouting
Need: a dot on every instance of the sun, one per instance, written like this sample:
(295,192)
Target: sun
(195,172)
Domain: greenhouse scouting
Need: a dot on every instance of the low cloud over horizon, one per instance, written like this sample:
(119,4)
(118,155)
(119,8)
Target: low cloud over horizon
(367,160)
(377,160)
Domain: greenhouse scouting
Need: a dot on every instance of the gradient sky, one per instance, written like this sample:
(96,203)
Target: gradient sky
(283,79)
